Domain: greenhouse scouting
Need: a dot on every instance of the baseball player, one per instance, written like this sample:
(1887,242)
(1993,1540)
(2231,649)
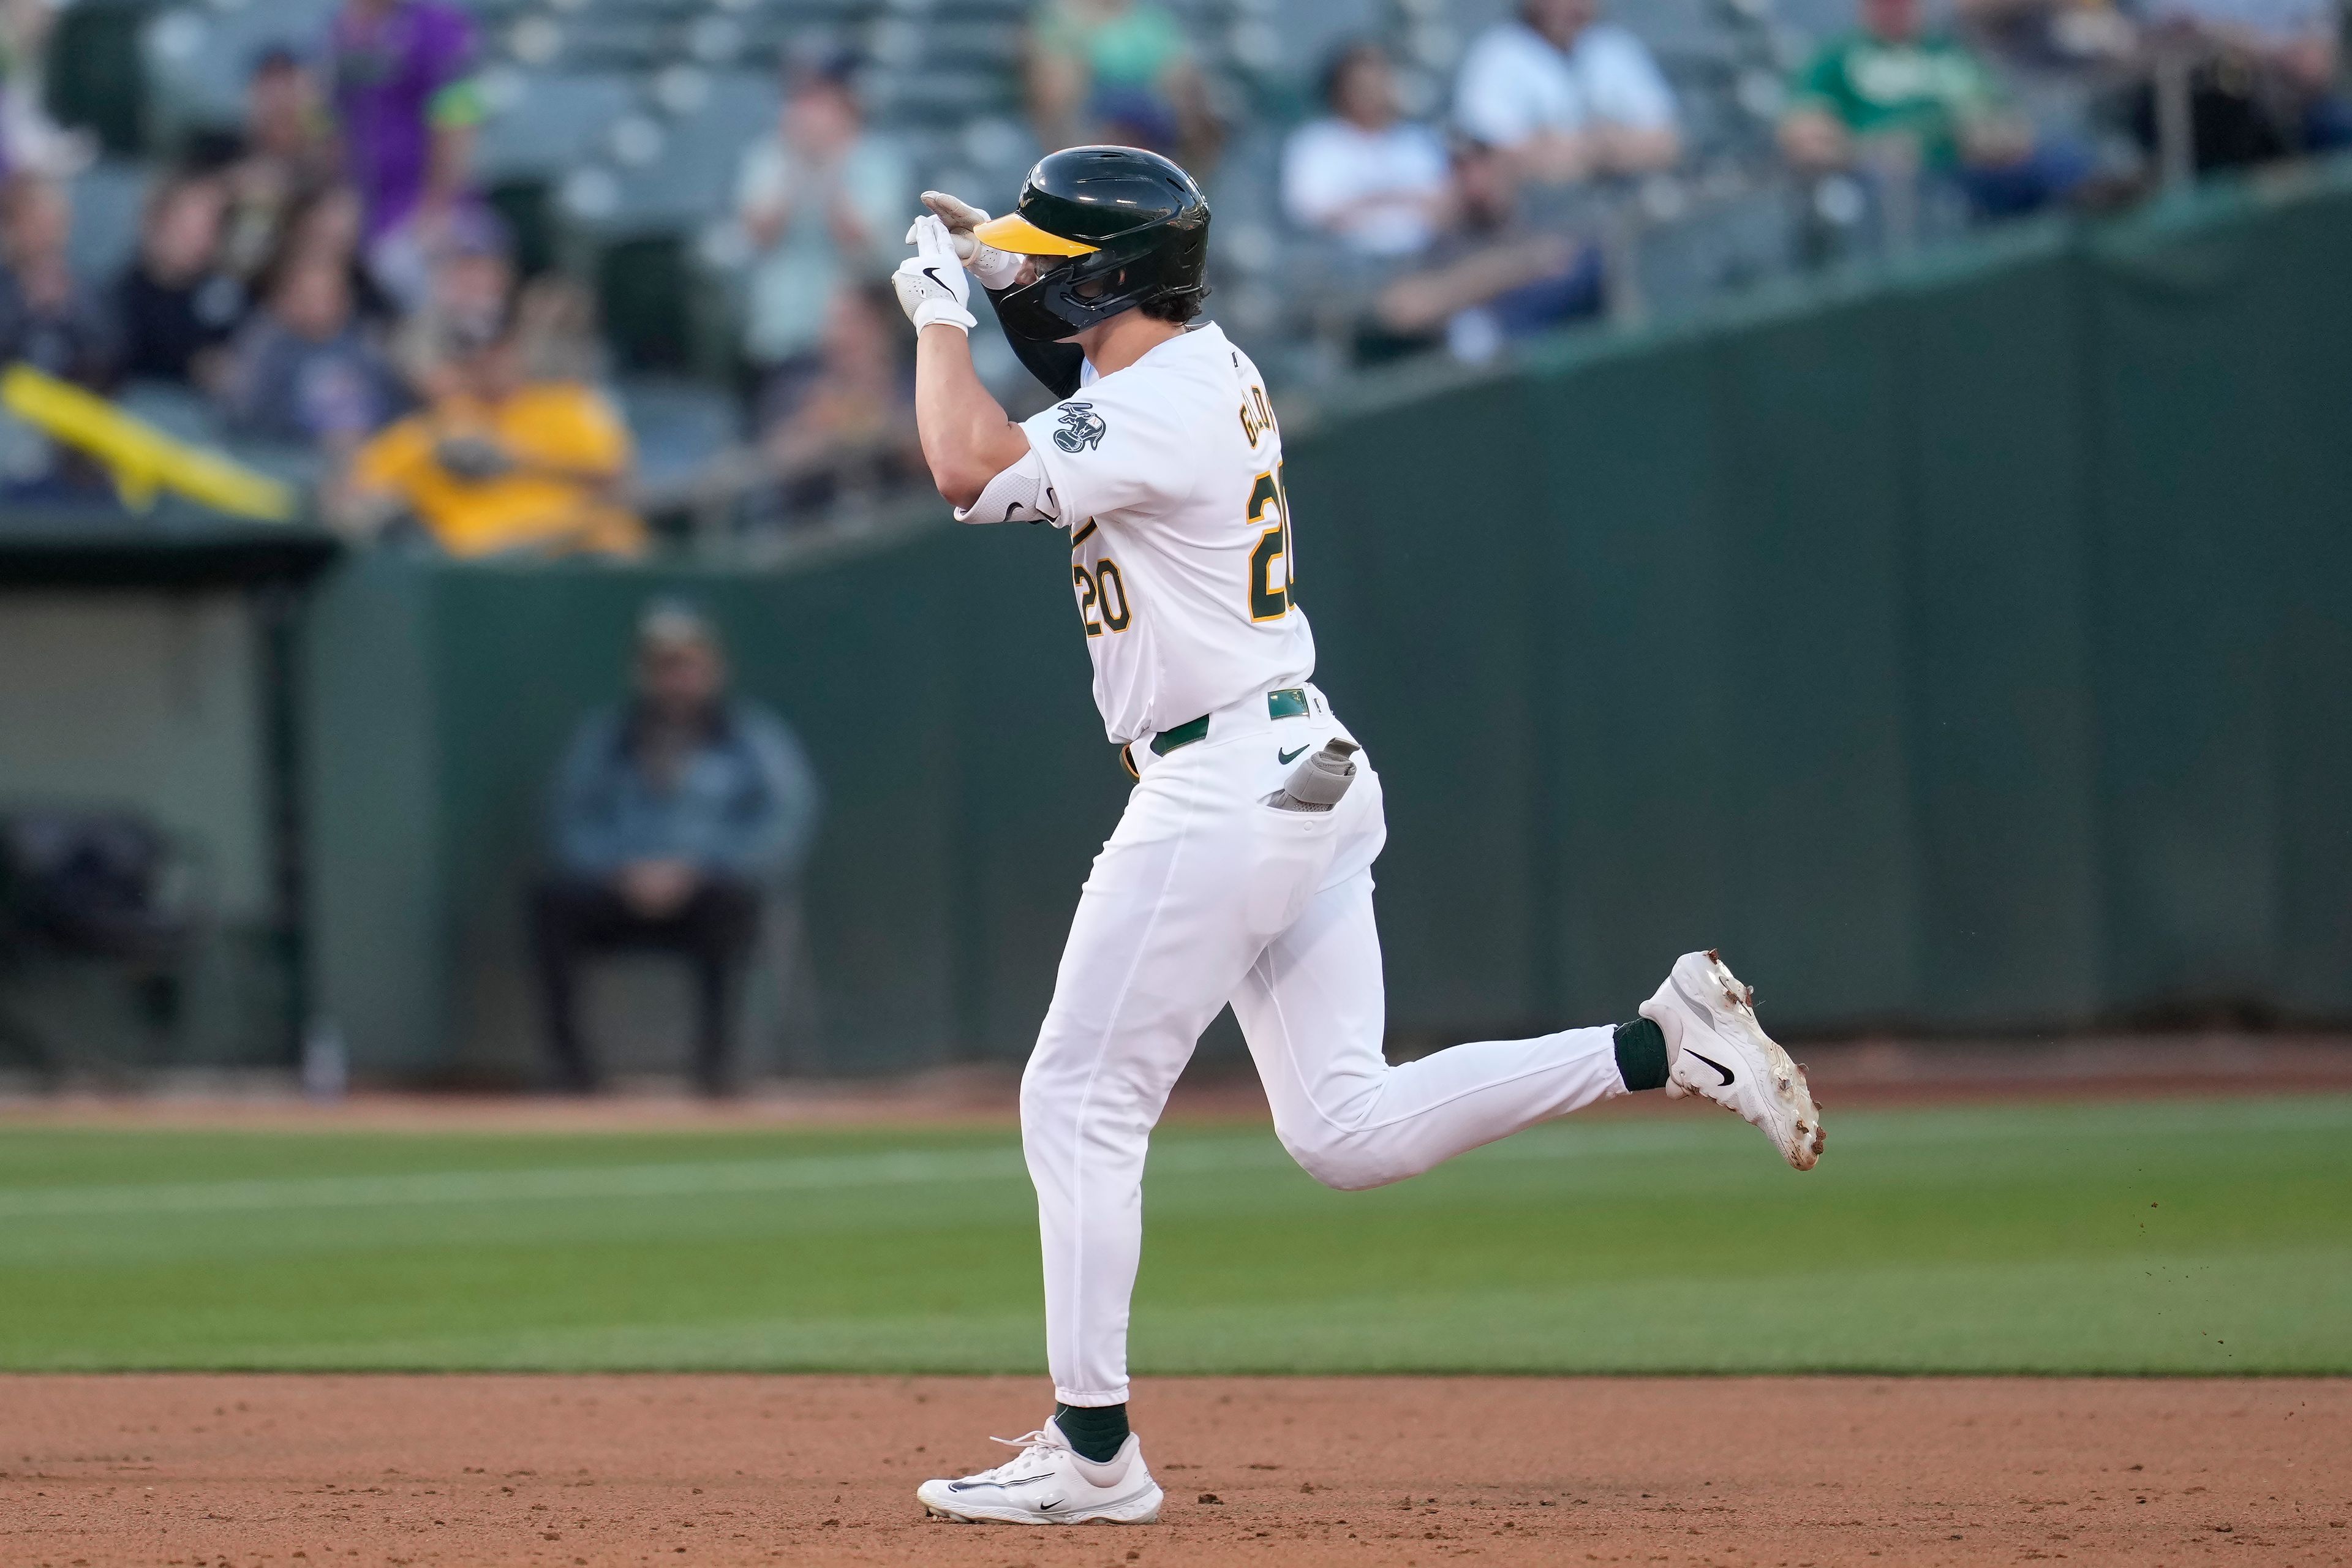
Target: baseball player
(1241,869)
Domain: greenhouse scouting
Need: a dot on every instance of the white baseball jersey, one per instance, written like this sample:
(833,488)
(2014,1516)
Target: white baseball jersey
(1168,477)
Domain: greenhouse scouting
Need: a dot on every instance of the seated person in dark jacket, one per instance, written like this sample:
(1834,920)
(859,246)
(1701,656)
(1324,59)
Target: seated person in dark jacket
(48,316)
(176,308)
(671,816)
(52,320)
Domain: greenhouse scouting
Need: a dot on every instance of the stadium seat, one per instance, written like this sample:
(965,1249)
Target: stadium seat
(737,103)
(197,57)
(171,407)
(650,178)
(540,121)
(590,40)
(107,198)
(1722,245)
(678,426)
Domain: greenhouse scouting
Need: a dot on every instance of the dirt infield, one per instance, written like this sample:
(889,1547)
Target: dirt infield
(239,1471)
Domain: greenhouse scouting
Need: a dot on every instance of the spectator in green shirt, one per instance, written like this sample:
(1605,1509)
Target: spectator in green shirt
(1897,97)
(1117,70)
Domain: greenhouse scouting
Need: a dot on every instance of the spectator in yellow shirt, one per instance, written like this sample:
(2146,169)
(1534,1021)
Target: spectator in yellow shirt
(498,463)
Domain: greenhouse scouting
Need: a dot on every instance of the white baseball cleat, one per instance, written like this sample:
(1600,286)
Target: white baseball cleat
(1050,1483)
(1725,1056)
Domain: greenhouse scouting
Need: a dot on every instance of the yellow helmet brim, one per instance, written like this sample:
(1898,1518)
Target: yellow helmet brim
(1017,235)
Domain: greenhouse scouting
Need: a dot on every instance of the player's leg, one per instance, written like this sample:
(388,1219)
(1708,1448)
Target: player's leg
(1152,954)
(1148,963)
(1313,1011)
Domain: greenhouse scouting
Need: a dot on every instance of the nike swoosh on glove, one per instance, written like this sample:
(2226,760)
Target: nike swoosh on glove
(933,289)
(995,268)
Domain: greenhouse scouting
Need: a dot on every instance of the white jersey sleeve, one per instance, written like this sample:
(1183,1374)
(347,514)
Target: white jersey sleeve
(1111,449)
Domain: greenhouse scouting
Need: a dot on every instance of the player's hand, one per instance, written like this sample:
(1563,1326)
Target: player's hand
(933,289)
(995,268)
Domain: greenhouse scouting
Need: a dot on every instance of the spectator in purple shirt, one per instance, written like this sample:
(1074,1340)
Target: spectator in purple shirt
(405,102)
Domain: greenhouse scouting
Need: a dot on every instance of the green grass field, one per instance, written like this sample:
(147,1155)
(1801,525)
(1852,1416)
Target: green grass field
(2159,1237)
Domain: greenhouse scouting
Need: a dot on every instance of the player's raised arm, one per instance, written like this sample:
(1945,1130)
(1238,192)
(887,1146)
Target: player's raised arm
(968,438)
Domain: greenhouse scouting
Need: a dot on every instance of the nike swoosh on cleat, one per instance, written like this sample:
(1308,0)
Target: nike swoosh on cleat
(1713,1063)
(1284,757)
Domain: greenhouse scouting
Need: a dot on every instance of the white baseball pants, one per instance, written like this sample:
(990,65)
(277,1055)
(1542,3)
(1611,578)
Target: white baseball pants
(1203,896)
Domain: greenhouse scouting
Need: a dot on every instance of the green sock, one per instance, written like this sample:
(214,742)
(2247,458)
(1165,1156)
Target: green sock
(1096,1431)
(1642,1054)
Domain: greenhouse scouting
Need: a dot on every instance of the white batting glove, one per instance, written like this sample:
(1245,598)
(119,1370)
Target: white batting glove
(994,269)
(932,287)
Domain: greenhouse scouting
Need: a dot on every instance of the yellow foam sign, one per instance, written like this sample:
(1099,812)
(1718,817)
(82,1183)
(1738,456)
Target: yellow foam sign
(141,458)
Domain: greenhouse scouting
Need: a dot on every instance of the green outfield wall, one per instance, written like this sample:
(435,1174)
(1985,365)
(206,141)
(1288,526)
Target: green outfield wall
(1960,646)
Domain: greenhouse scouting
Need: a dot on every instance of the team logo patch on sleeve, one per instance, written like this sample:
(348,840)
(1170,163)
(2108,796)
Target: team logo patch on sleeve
(1081,427)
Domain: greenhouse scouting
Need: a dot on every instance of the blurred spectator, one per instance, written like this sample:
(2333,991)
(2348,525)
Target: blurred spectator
(407,107)
(556,332)
(2263,82)
(1120,71)
(325,225)
(302,372)
(52,321)
(850,427)
(2051,35)
(29,138)
(48,318)
(175,306)
(1493,281)
(824,202)
(285,152)
(497,462)
(1895,98)
(468,293)
(1362,173)
(673,819)
(1567,96)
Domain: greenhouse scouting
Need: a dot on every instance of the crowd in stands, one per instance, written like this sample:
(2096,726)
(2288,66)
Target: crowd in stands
(1893,110)
(327,279)
(330,279)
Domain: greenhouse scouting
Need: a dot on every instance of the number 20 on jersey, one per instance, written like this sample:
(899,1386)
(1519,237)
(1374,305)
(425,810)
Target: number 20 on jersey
(1102,591)
(1271,578)
(1102,597)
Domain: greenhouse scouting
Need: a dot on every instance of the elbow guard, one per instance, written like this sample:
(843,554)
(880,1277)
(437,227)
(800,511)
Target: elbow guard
(1020,493)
